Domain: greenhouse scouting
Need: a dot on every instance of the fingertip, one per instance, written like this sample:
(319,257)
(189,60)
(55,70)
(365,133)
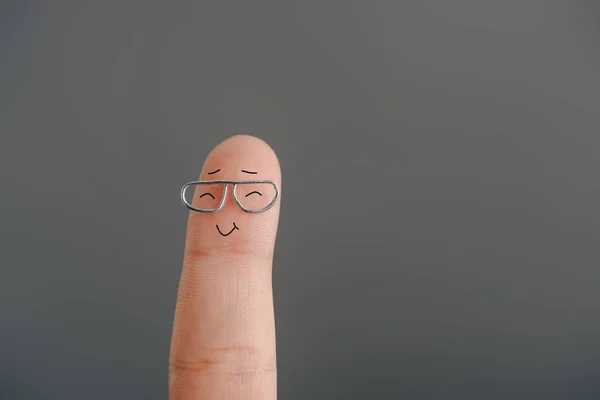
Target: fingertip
(246,223)
(242,152)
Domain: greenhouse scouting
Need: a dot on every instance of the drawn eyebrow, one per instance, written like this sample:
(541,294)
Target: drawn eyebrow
(258,193)
(249,172)
(207,194)
(214,172)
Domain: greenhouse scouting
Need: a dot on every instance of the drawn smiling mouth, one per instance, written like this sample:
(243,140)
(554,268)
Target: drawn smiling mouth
(230,232)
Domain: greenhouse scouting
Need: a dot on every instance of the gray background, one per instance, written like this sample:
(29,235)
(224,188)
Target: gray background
(439,235)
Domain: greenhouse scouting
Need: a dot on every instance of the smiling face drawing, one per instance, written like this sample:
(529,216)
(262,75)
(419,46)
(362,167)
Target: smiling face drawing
(252,196)
(232,190)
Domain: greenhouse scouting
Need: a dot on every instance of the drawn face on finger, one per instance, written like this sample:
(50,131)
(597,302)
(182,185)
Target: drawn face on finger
(234,190)
(251,196)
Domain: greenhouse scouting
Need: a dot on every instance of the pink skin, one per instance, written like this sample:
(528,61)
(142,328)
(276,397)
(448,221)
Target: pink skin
(223,342)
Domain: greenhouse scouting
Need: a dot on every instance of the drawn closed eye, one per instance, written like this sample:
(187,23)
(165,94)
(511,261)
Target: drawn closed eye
(207,194)
(258,193)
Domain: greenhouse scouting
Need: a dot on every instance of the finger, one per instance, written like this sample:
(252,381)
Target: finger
(223,344)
